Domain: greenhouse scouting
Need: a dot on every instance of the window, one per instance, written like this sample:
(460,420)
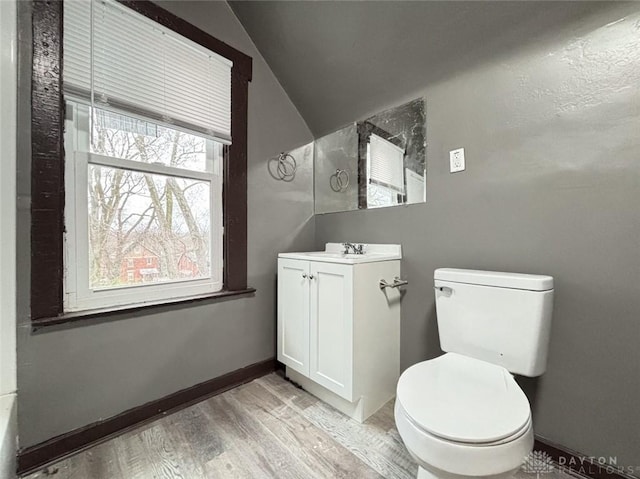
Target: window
(136,187)
(385,171)
(154,145)
(132,182)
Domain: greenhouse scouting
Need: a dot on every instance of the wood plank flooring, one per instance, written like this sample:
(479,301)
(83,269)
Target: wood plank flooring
(267,428)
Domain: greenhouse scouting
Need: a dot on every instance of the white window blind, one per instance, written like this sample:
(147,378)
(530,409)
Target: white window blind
(121,60)
(386,163)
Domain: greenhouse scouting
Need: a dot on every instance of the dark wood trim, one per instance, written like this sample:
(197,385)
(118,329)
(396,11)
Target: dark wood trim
(114,312)
(242,63)
(363,140)
(369,128)
(568,460)
(47,161)
(47,164)
(235,188)
(54,449)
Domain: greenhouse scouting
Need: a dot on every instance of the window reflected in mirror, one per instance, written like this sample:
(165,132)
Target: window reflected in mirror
(375,163)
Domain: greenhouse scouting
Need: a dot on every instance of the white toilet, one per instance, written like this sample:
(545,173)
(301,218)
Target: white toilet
(462,414)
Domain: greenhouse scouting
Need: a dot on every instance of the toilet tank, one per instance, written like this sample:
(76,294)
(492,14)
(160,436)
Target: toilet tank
(501,318)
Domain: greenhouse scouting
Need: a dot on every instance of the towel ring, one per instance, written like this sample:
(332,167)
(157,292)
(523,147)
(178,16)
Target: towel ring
(339,181)
(285,168)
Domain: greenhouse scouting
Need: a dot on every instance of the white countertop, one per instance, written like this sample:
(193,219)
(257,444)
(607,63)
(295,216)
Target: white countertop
(334,254)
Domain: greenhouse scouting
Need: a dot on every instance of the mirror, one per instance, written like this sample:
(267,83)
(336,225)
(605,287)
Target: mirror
(375,163)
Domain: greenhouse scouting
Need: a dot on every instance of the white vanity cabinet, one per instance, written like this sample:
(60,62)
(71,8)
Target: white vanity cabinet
(293,314)
(338,332)
(315,322)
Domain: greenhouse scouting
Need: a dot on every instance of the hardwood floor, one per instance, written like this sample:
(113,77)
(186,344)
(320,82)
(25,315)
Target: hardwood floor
(267,428)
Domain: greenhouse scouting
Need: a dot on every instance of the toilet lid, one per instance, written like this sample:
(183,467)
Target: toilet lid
(463,399)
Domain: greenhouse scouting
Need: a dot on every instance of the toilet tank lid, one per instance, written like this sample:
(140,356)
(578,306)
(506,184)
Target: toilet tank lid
(531,282)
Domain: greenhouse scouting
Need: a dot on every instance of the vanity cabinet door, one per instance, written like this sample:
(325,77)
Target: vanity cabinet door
(331,345)
(293,314)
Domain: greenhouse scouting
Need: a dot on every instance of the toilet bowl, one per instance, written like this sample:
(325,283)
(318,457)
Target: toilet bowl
(461,417)
(462,414)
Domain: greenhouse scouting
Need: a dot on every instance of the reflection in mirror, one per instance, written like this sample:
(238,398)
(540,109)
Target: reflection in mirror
(375,163)
(391,147)
(336,171)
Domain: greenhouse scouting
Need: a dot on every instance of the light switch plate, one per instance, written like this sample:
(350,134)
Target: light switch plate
(456,160)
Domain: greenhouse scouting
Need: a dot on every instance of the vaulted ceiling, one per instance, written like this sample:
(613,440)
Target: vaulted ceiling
(340,61)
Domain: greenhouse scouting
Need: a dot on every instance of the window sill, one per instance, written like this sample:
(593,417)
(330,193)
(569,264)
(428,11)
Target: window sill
(132,308)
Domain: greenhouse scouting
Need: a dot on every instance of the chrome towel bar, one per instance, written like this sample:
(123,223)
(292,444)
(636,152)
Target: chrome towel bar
(397,282)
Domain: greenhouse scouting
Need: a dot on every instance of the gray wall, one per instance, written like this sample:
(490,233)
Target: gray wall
(551,132)
(71,376)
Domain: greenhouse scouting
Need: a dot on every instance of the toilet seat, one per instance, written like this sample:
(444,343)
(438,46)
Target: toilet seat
(444,458)
(464,400)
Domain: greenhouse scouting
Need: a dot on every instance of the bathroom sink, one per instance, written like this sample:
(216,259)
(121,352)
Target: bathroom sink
(329,254)
(334,253)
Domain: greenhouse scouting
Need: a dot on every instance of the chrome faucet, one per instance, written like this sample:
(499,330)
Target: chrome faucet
(356,248)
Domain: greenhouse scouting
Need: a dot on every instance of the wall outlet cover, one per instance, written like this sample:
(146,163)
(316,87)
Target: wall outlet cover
(456,160)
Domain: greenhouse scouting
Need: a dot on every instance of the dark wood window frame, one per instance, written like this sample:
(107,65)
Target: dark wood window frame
(47,164)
